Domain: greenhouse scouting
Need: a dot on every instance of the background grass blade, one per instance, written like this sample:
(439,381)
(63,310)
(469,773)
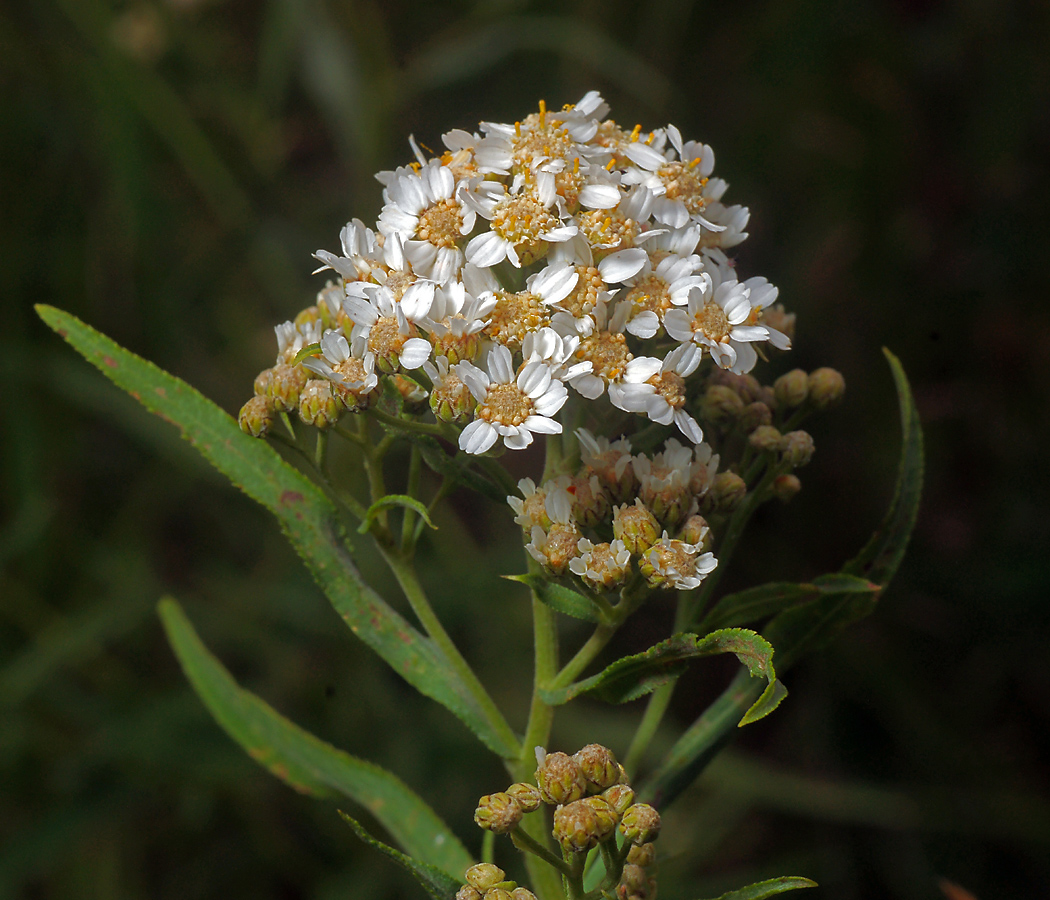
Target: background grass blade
(771,888)
(304,761)
(309,519)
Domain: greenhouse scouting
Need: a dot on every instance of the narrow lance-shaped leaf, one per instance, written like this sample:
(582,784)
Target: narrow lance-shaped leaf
(304,761)
(559,598)
(635,676)
(437,883)
(771,888)
(307,517)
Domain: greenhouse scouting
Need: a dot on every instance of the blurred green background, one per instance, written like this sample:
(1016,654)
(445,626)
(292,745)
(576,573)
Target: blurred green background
(167,169)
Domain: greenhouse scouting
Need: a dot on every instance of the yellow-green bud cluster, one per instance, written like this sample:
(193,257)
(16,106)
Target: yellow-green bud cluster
(485,881)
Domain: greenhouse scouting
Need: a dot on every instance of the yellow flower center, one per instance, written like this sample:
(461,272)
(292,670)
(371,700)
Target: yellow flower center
(505,404)
(670,386)
(441,224)
(514,316)
(683,183)
(608,354)
(713,322)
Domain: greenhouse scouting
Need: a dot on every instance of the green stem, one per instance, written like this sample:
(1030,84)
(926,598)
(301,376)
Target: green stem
(320,450)
(408,522)
(437,430)
(406,577)
(655,710)
(585,655)
(288,425)
(524,841)
(488,846)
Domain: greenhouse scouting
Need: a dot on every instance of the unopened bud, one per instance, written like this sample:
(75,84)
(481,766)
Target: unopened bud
(640,824)
(791,389)
(636,526)
(786,486)
(451,400)
(413,395)
(559,779)
(797,447)
(696,531)
(619,797)
(642,854)
(727,490)
(755,415)
(468,892)
(720,404)
(608,818)
(766,438)
(286,386)
(262,381)
(576,826)
(528,796)
(599,767)
(484,876)
(498,813)
(317,404)
(497,893)
(307,316)
(256,416)
(521,893)
(826,387)
(590,502)
(634,878)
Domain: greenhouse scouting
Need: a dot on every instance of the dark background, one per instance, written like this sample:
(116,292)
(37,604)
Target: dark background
(167,169)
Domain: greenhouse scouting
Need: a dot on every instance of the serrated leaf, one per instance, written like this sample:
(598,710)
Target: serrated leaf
(767,701)
(437,883)
(754,604)
(559,598)
(304,761)
(307,516)
(635,676)
(764,889)
(389,500)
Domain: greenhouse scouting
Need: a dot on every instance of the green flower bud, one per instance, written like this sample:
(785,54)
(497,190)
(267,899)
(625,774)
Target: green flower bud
(634,878)
(468,892)
(527,796)
(498,813)
(451,400)
(797,447)
(755,415)
(521,893)
(727,490)
(317,404)
(576,826)
(636,526)
(608,818)
(484,876)
(590,503)
(696,531)
(497,893)
(599,767)
(765,438)
(786,486)
(791,389)
(642,854)
(559,779)
(286,386)
(640,824)
(620,797)
(256,416)
(262,382)
(826,387)
(720,404)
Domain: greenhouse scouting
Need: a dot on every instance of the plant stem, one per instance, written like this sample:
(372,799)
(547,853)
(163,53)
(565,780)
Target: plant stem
(408,523)
(526,842)
(585,655)
(320,448)
(435,429)
(659,700)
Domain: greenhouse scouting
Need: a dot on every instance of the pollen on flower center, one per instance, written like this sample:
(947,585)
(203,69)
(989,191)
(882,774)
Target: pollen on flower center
(539,138)
(385,338)
(650,294)
(441,224)
(505,404)
(352,369)
(521,219)
(683,183)
(514,316)
(585,295)
(608,228)
(671,387)
(608,354)
(399,282)
(713,322)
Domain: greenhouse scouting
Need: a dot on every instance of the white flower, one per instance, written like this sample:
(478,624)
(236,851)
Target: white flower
(351,366)
(361,254)
(653,292)
(677,564)
(291,338)
(510,407)
(389,326)
(666,403)
(455,320)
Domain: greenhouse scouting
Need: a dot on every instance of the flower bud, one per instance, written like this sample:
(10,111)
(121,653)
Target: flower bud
(791,389)
(559,779)
(521,893)
(608,818)
(599,767)
(468,892)
(696,531)
(634,878)
(451,400)
(497,893)
(604,567)
(826,387)
(498,813)
(557,548)
(576,826)
(256,416)
(640,824)
(527,796)
(484,876)
(727,490)
(619,797)
(413,395)
(307,316)
(786,486)
(286,386)
(765,438)
(797,447)
(720,404)
(755,415)
(262,382)
(642,854)
(590,503)
(636,526)
(317,404)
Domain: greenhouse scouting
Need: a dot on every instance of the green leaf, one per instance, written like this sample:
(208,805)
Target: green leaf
(310,350)
(635,676)
(754,604)
(767,701)
(394,500)
(561,599)
(307,763)
(455,467)
(771,888)
(880,557)
(307,516)
(436,882)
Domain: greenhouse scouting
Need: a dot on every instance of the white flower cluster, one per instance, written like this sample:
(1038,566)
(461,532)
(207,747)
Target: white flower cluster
(529,258)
